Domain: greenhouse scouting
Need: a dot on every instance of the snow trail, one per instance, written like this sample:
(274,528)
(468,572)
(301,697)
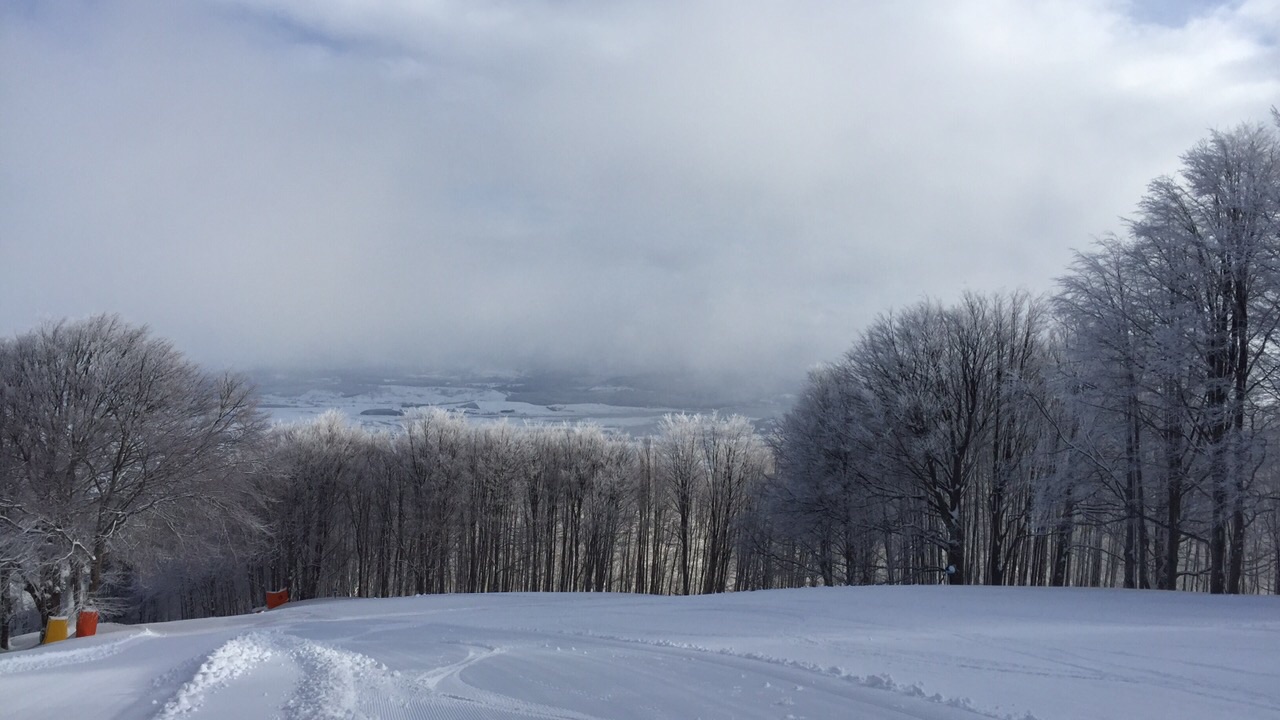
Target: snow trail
(874,653)
(55,658)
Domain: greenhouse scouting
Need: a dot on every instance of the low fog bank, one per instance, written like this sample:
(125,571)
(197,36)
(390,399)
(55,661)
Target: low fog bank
(761,397)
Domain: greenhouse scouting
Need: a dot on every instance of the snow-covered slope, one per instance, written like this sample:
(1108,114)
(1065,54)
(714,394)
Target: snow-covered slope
(888,652)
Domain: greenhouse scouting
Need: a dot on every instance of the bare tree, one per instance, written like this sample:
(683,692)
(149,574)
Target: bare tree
(820,497)
(110,435)
(683,477)
(1220,220)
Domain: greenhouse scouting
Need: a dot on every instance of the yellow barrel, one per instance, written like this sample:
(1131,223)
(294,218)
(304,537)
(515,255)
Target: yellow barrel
(57,629)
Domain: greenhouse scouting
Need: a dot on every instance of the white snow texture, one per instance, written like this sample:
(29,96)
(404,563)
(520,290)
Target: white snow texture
(881,652)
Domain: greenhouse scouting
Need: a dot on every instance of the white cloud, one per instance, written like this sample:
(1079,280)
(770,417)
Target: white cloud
(625,184)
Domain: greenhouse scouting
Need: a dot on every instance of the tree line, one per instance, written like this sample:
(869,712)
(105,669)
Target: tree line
(1116,433)
(134,482)
(450,506)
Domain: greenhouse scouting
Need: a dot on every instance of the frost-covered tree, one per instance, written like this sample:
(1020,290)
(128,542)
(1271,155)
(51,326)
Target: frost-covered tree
(918,451)
(1017,327)
(114,443)
(1107,368)
(16,536)
(683,477)
(819,497)
(1174,352)
(927,372)
(1219,223)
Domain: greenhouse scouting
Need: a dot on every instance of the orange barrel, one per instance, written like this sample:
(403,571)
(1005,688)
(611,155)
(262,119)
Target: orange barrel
(87,623)
(56,630)
(277,598)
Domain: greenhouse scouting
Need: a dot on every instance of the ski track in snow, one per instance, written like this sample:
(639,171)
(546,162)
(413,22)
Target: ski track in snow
(231,660)
(781,655)
(337,684)
(60,658)
(1072,665)
(1066,664)
(877,682)
(431,680)
(1096,667)
(332,682)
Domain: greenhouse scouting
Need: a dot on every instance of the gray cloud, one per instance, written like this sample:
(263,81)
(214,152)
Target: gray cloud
(621,186)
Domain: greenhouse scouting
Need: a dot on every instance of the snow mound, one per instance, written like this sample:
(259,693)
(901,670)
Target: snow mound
(329,685)
(233,659)
(334,682)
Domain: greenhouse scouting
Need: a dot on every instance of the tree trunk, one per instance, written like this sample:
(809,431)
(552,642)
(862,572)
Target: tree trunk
(6,606)
(1167,575)
(955,541)
(48,602)
(1064,536)
(95,569)
(1235,568)
(1218,536)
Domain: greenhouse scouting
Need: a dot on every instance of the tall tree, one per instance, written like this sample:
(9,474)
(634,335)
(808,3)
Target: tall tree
(1221,219)
(113,441)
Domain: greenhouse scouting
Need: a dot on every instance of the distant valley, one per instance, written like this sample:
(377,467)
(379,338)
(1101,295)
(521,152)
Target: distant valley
(633,405)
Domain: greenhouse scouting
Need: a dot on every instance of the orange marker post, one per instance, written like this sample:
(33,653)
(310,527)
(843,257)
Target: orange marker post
(277,598)
(87,623)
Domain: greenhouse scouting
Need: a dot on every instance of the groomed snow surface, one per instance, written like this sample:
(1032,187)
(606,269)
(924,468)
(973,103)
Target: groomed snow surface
(877,652)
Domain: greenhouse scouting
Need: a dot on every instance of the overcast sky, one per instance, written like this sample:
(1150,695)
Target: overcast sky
(616,186)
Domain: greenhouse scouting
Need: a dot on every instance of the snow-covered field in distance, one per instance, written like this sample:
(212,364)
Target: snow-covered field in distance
(631,405)
(874,652)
